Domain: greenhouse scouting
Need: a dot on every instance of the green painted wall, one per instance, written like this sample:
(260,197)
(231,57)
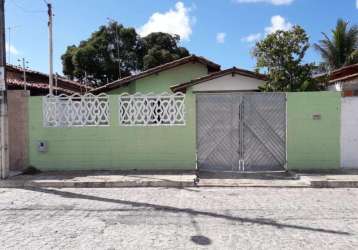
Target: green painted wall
(313,144)
(120,148)
(113,147)
(161,82)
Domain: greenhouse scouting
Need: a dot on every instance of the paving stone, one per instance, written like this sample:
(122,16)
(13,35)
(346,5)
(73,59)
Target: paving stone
(179,218)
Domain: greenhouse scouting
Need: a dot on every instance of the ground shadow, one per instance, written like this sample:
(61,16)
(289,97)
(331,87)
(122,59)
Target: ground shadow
(200,240)
(193,212)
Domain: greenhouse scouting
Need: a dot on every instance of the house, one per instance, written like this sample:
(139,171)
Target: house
(186,72)
(184,115)
(143,121)
(160,78)
(344,79)
(38,83)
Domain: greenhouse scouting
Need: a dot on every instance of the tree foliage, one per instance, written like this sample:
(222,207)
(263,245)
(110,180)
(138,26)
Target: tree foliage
(114,51)
(341,49)
(281,54)
(162,48)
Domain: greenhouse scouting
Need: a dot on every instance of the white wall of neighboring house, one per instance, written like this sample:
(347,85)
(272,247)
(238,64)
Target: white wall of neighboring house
(344,86)
(335,87)
(349,132)
(229,83)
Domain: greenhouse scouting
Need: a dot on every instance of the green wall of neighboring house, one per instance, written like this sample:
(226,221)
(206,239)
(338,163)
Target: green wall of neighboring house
(313,143)
(121,148)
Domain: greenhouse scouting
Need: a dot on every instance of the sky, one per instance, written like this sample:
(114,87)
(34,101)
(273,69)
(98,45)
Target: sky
(223,31)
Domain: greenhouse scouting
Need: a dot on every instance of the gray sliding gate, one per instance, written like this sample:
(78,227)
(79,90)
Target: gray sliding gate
(241,131)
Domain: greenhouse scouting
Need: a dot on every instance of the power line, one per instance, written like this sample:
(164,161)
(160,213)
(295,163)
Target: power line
(9,41)
(26,10)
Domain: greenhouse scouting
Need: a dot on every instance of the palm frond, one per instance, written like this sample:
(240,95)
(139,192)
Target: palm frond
(339,50)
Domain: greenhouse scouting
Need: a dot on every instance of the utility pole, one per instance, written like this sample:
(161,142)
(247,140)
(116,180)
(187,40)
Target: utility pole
(24,68)
(112,21)
(56,81)
(49,7)
(4,153)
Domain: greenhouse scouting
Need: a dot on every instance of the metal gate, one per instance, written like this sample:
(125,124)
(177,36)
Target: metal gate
(241,131)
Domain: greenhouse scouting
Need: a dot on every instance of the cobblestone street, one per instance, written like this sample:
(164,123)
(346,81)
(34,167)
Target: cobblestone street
(191,218)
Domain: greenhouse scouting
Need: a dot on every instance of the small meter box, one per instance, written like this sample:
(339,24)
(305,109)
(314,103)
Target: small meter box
(42,146)
(317,116)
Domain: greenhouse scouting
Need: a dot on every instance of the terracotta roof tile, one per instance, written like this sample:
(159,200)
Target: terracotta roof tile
(61,80)
(36,85)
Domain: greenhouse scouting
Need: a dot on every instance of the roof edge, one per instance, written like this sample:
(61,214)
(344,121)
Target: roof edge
(235,71)
(337,74)
(60,77)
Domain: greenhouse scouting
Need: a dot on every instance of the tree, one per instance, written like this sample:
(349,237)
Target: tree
(67,63)
(281,55)
(99,58)
(162,48)
(341,49)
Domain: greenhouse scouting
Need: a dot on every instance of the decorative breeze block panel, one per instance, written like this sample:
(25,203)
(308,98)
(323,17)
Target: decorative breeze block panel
(152,110)
(75,110)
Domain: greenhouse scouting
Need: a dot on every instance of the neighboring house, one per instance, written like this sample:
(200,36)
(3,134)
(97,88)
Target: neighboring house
(38,83)
(233,79)
(161,78)
(344,79)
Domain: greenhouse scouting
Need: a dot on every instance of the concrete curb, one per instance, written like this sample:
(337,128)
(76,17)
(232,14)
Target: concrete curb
(180,180)
(334,184)
(252,186)
(169,184)
(89,184)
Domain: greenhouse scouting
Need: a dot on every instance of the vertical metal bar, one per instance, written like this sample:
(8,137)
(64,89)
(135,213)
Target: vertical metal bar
(241,132)
(286,127)
(197,167)
(233,153)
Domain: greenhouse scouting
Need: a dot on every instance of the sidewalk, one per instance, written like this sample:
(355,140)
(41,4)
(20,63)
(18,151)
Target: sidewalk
(337,179)
(99,179)
(108,179)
